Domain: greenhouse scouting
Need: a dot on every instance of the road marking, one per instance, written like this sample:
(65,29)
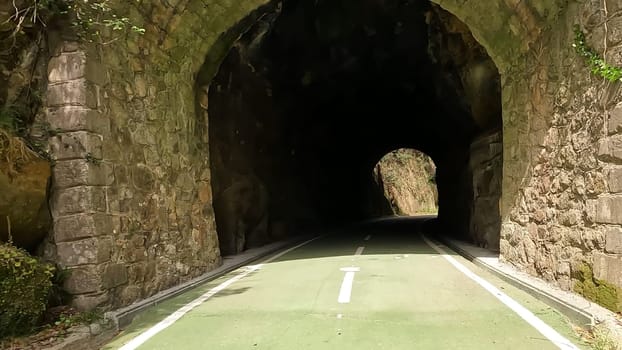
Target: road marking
(525,314)
(359,251)
(367,238)
(346,286)
(172,318)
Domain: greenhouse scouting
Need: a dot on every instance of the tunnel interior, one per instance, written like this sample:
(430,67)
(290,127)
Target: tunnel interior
(315,92)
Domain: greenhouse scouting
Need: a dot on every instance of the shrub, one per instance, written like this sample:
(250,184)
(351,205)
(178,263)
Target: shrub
(24,286)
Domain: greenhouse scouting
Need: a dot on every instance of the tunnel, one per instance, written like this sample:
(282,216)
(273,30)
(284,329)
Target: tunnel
(314,93)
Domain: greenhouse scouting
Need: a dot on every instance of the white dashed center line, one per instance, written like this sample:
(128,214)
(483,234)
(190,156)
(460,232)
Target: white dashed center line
(346,286)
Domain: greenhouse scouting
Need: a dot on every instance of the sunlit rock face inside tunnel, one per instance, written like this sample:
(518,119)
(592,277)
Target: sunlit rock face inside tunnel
(315,93)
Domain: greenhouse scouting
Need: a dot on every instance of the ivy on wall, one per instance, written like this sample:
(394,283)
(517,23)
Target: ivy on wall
(597,64)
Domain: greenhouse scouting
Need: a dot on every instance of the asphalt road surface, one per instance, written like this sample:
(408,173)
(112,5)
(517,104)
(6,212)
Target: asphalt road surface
(370,287)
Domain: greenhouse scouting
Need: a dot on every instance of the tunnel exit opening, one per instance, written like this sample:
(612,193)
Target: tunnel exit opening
(406,181)
(315,92)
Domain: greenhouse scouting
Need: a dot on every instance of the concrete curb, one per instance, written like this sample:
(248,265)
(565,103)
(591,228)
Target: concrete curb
(575,314)
(120,318)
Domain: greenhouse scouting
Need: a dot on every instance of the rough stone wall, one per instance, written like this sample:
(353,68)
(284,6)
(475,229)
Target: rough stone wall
(24,174)
(407,179)
(486,165)
(131,195)
(246,146)
(565,219)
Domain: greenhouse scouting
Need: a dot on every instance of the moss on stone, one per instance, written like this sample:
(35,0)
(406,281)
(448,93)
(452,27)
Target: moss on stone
(598,291)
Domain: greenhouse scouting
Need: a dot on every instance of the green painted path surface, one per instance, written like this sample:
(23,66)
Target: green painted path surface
(405,296)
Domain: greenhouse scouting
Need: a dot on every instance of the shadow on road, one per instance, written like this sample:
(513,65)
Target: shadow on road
(388,235)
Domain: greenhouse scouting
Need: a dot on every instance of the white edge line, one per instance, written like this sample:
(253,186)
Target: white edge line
(359,251)
(172,318)
(525,314)
(271,259)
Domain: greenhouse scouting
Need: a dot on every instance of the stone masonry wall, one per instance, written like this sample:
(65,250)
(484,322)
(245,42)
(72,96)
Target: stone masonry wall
(131,197)
(566,219)
(486,166)
(132,204)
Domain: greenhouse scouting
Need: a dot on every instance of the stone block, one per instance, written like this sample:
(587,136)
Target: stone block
(615,30)
(66,66)
(614,56)
(609,210)
(84,252)
(70,46)
(84,279)
(89,301)
(143,178)
(608,268)
(129,295)
(76,200)
(590,210)
(78,144)
(76,118)
(114,275)
(613,240)
(570,218)
(614,179)
(610,149)
(81,226)
(80,172)
(615,120)
(73,93)
(94,71)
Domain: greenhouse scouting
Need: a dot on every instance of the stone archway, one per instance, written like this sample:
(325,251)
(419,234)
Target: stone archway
(139,218)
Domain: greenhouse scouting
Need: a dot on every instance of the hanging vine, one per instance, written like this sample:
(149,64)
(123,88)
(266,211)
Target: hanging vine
(597,64)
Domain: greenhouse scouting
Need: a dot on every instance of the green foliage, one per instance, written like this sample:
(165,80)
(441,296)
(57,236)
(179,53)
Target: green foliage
(58,295)
(8,119)
(90,18)
(69,319)
(597,64)
(599,291)
(602,340)
(24,286)
(14,117)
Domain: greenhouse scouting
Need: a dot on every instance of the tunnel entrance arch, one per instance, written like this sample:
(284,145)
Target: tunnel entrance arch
(309,93)
(150,207)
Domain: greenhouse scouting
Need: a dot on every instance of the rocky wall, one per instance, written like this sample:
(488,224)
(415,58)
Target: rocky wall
(24,171)
(486,167)
(131,192)
(407,180)
(565,223)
